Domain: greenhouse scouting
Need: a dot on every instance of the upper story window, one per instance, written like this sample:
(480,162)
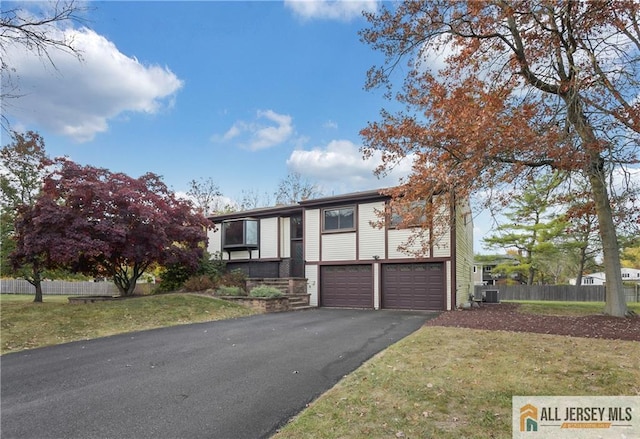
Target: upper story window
(587,281)
(240,234)
(296,226)
(339,219)
(414,214)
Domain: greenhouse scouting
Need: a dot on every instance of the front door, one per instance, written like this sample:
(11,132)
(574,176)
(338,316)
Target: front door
(297,259)
(297,248)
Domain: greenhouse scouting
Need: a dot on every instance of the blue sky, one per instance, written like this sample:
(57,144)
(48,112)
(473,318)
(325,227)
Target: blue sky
(240,92)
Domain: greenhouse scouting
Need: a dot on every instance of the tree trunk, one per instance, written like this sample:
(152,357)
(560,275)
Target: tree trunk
(38,298)
(126,287)
(581,264)
(614,294)
(615,302)
(36,281)
(530,276)
(126,280)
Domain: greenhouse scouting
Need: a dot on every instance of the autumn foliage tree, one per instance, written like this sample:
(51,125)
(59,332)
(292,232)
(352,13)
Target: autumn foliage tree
(109,224)
(496,91)
(24,163)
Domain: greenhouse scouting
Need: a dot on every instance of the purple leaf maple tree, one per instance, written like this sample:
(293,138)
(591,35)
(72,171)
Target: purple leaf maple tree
(108,224)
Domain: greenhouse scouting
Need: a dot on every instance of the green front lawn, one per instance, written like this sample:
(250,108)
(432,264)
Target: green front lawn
(454,383)
(25,325)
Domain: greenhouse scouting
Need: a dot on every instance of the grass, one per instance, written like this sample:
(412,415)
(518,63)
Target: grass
(437,383)
(458,383)
(566,308)
(26,325)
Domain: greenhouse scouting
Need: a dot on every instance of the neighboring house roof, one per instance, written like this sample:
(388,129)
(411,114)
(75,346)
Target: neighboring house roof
(493,260)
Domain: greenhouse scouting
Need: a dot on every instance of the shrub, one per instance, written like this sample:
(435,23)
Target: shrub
(212,265)
(198,283)
(231,291)
(264,291)
(234,278)
(173,278)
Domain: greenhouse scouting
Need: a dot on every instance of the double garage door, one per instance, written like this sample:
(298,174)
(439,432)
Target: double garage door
(403,286)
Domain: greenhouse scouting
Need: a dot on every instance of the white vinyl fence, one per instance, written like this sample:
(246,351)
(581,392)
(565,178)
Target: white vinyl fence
(59,287)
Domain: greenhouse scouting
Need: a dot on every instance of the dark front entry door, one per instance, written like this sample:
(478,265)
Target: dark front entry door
(297,248)
(297,259)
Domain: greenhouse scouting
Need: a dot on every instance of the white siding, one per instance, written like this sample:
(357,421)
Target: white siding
(339,247)
(311,273)
(371,238)
(269,238)
(464,253)
(311,235)
(442,228)
(285,237)
(442,246)
(376,285)
(215,240)
(398,237)
(242,254)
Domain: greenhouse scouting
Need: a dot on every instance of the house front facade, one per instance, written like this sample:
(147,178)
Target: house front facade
(485,273)
(347,259)
(628,275)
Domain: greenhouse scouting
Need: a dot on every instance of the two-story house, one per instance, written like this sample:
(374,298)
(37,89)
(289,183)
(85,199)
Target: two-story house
(346,259)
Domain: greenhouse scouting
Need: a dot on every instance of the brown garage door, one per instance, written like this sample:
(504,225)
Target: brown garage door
(413,286)
(349,286)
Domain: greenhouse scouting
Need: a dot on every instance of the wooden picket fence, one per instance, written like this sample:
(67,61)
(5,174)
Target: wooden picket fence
(67,288)
(564,293)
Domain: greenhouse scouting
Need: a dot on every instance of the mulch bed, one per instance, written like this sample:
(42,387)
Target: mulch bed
(506,317)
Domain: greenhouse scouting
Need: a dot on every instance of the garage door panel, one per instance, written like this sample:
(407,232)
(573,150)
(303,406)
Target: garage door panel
(347,286)
(413,286)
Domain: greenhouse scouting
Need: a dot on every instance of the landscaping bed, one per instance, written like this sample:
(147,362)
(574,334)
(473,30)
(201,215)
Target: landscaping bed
(261,304)
(510,317)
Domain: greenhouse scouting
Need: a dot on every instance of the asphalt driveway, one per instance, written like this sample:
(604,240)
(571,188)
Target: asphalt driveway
(239,378)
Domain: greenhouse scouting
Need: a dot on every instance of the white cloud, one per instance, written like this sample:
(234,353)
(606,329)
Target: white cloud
(339,166)
(330,125)
(78,98)
(257,134)
(342,10)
